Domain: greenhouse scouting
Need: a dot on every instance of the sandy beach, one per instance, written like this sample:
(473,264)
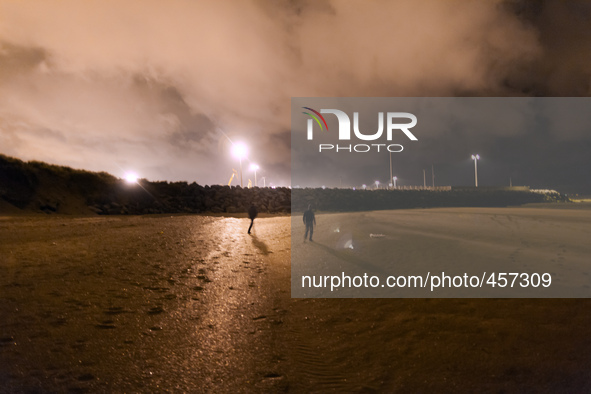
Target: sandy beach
(195,304)
(536,241)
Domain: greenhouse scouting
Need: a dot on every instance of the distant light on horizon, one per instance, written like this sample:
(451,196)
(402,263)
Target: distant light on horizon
(131,177)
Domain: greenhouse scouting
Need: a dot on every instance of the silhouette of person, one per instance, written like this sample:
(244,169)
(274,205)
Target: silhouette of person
(309,221)
(252,214)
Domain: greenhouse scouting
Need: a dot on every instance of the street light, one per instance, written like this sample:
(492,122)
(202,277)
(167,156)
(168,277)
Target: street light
(476,158)
(377,184)
(131,177)
(424,180)
(390,165)
(254,167)
(240,150)
(394,180)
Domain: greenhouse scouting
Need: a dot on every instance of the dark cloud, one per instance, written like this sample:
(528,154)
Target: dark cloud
(563,67)
(16,60)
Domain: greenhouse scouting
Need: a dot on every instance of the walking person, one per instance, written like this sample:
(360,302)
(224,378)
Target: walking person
(310,222)
(252,214)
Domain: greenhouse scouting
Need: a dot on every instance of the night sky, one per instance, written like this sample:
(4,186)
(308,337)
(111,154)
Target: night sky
(541,142)
(161,88)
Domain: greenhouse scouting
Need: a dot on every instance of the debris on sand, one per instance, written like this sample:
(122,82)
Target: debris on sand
(377,235)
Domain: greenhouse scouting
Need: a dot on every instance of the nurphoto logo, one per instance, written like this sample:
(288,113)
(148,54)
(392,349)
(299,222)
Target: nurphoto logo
(344,134)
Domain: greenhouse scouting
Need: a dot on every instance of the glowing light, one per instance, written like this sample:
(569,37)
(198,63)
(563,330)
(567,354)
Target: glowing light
(239,150)
(254,167)
(131,177)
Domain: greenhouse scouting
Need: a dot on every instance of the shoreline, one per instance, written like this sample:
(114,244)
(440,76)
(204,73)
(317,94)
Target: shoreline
(575,204)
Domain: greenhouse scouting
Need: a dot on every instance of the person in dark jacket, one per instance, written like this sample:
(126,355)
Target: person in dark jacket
(309,221)
(252,214)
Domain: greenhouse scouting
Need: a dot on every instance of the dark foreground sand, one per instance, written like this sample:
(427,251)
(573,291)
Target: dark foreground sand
(193,303)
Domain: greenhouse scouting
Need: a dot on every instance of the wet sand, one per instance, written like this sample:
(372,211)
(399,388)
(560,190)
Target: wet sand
(193,303)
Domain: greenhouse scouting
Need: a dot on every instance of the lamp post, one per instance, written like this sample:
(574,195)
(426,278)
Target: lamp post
(377,185)
(424,180)
(475,158)
(394,181)
(254,167)
(390,165)
(432,177)
(240,150)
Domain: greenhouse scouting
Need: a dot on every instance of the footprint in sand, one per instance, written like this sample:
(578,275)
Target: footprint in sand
(106,325)
(85,377)
(114,310)
(59,321)
(6,340)
(155,310)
